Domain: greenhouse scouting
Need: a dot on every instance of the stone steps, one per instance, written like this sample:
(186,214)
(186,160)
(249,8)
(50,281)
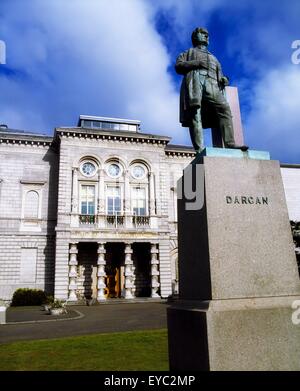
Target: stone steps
(119,301)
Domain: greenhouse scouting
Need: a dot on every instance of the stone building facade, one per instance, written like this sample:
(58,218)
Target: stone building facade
(91,212)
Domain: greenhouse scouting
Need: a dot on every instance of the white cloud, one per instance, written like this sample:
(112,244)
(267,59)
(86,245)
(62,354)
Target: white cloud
(105,57)
(185,15)
(274,121)
(98,57)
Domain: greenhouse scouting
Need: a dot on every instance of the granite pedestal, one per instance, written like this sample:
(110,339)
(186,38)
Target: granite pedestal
(238,274)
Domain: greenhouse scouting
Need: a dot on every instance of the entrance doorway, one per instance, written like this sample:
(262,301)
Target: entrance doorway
(114,269)
(142,269)
(87,270)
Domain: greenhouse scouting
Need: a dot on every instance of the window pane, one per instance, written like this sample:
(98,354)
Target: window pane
(91,209)
(143,193)
(115,126)
(105,125)
(83,208)
(141,203)
(88,124)
(124,127)
(110,205)
(110,191)
(83,191)
(96,124)
(91,191)
(113,192)
(118,204)
(134,193)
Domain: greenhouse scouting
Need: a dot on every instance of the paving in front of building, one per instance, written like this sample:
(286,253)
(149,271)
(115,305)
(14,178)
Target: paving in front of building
(96,319)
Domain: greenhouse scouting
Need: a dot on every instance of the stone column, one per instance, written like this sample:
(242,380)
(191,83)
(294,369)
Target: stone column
(128,272)
(101,199)
(152,194)
(154,271)
(73,251)
(75,191)
(101,272)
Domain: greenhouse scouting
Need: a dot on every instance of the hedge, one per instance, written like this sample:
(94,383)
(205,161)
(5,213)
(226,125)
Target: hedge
(27,296)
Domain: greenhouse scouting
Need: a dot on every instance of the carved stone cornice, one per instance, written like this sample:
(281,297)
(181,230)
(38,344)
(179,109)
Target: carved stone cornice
(141,138)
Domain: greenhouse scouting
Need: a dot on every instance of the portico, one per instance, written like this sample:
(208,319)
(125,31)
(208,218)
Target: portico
(109,269)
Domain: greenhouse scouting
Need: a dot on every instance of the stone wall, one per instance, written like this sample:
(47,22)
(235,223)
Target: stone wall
(10,263)
(27,168)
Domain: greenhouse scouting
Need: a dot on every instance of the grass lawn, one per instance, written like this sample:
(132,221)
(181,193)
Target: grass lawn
(129,351)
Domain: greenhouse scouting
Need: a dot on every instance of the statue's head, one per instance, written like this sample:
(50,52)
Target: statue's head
(200,36)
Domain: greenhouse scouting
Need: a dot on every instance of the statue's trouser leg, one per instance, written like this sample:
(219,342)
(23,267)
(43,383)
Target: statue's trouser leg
(214,97)
(196,130)
(225,123)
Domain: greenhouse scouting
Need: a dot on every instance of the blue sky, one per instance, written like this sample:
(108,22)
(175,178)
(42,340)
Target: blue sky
(116,58)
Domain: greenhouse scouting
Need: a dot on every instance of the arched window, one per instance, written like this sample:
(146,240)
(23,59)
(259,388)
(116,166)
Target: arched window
(114,169)
(31,210)
(139,171)
(88,168)
(139,189)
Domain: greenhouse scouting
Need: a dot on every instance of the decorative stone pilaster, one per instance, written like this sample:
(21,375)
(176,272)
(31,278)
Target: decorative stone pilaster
(75,191)
(127,205)
(154,271)
(101,272)
(73,271)
(101,191)
(128,272)
(152,194)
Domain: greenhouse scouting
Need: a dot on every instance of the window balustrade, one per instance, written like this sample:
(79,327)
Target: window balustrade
(114,220)
(141,221)
(87,219)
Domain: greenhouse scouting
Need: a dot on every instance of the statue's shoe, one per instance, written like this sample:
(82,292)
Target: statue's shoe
(234,146)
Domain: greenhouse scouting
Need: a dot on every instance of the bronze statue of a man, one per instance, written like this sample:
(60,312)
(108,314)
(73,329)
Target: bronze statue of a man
(202,100)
